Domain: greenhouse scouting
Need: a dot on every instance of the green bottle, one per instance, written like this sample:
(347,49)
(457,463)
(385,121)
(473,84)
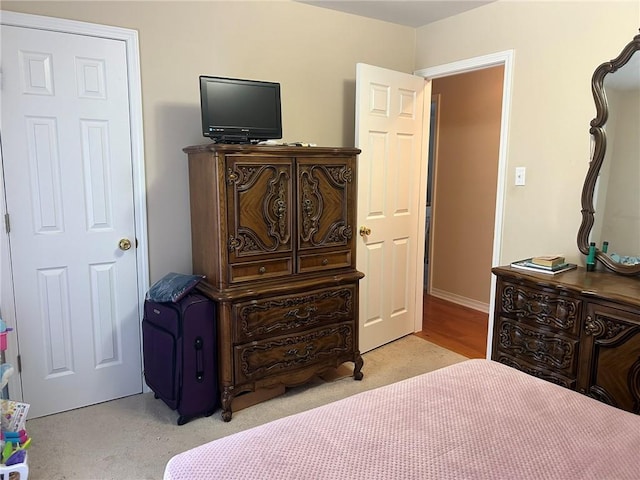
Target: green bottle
(591,257)
(605,247)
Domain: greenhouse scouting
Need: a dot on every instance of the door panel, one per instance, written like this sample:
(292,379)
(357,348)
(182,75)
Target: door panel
(611,341)
(325,195)
(389,132)
(69,192)
(259,195)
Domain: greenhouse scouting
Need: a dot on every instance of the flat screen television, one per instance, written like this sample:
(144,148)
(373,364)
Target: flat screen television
(240,111)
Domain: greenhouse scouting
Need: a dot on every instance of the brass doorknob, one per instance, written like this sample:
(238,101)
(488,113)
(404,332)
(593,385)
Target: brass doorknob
(364,231)
(124,244)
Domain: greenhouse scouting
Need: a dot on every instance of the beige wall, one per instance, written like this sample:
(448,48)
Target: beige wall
(466,171)
(311,51)
(557,47)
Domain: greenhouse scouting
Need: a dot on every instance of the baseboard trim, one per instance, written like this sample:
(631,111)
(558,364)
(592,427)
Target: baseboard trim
(465,302)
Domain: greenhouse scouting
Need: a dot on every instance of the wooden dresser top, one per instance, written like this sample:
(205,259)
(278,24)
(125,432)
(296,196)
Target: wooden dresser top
(600,284)
(286,150)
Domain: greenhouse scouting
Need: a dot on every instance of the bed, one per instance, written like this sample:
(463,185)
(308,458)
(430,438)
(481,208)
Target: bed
(474,419)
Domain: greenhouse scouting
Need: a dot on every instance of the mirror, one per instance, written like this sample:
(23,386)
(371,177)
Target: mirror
(611,191)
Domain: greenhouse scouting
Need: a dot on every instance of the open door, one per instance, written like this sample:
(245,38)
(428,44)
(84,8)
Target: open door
(391,210)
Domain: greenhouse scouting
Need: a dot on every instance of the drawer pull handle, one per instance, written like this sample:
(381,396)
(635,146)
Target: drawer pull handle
(294,352)
(308,311)
(325,261)
(262,270)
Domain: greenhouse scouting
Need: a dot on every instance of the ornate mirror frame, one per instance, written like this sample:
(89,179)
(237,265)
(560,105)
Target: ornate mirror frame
(600,143)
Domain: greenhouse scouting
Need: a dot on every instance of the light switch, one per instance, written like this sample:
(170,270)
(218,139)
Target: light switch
(520,172)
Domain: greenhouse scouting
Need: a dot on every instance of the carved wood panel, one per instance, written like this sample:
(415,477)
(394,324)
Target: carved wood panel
(259,196)
(613,338)
(325,196)
(543,348)
(552,377)
(541,307)
(284,314)
(286,353)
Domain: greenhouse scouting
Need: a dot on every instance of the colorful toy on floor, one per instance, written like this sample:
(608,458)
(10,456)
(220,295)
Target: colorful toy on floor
(15,437)
(14,440)
(16,457)
(19,454)
(12,448)
(3,335)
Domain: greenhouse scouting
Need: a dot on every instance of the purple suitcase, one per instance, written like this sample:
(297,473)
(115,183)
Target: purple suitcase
(179,352)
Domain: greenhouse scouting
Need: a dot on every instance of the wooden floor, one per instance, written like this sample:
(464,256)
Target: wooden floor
(454,327)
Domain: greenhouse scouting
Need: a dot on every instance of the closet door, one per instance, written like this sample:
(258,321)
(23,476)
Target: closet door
(68,166)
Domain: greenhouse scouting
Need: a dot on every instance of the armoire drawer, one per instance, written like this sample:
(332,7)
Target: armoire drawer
(324,261)
(244,272)
(546,349)
(282,354)
(286,314)
(540,307)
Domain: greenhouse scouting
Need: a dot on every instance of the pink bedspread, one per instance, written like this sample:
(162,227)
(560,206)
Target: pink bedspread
(475,419)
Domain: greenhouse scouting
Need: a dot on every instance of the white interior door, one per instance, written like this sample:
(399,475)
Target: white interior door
(389,131)
(67,165)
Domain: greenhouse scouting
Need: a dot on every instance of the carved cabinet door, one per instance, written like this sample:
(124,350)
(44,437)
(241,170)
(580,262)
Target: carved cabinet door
(259,207)
(325,199)
(610,371)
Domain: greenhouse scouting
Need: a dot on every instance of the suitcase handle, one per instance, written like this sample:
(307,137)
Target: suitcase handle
(198,346)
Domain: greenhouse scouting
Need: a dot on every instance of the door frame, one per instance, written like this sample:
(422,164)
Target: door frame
(130,39)
(505,58)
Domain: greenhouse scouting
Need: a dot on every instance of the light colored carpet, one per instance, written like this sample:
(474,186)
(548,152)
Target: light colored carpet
(134,437)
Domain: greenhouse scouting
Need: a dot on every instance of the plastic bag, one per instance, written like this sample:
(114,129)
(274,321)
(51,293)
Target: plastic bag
(172,287)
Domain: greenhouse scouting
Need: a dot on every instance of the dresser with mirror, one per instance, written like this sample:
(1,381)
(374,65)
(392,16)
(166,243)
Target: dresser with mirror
(581,329)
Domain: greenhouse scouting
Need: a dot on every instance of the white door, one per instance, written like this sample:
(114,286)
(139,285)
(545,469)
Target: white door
(389,130)
(67,160)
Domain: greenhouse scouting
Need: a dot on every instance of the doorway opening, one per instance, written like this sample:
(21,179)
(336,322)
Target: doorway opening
(504,59)
(433,125)
(447,324)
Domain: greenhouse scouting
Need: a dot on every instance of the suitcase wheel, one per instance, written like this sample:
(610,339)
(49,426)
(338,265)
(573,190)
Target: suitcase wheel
(155,395)
(182,420)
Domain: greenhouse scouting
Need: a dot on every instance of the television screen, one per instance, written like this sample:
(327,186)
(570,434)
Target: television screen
(240,111)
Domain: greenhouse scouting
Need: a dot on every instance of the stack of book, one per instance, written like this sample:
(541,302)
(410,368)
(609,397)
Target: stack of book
(551,264)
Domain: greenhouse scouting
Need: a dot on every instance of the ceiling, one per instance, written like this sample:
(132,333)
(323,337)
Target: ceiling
(416,13)
(412,13)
